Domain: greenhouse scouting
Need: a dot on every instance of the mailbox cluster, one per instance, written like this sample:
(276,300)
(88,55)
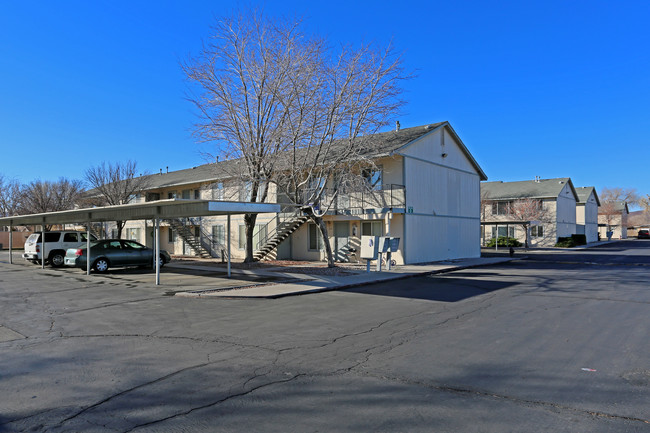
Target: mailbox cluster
(373,247)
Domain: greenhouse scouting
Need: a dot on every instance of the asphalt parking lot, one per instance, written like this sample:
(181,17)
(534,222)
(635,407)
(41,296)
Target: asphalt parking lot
(532,345)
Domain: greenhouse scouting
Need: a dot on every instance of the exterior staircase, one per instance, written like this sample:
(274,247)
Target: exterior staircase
(285,224)
(186,234)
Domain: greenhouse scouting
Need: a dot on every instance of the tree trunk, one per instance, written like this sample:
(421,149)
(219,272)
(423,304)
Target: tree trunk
(120,227)
(249,222)
(328,247)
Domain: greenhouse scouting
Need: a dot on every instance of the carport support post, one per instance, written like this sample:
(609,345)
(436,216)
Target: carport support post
(43,245)
(228,231)
(157,253)
(88,249)
(11,244)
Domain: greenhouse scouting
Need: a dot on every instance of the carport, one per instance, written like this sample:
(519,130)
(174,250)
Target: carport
(153,210)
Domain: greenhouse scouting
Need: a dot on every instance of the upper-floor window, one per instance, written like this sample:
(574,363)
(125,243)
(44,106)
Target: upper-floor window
(186,194)
(217,191)
(500,207)
(374,177)
(172,194)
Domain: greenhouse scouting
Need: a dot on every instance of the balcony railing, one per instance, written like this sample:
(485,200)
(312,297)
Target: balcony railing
(390,196)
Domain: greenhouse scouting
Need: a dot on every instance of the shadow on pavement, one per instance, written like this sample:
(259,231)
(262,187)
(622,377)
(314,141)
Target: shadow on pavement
(433,288)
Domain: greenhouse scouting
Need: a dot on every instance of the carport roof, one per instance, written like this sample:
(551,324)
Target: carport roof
(174,208)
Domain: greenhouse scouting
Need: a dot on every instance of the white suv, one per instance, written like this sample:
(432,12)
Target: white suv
(56,244)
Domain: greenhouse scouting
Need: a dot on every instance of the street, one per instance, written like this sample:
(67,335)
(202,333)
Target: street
(556,342)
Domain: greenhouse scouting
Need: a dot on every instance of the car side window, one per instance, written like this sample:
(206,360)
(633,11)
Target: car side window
(115,245)
(52,237)
(70,237)
(132,245)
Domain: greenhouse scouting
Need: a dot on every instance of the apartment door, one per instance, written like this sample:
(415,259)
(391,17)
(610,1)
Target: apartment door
(341,240)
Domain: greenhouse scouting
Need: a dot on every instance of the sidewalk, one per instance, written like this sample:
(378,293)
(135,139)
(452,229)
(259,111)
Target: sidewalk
(302,284)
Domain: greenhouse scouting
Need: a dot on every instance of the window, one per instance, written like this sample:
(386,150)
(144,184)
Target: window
(242,237)
(500,207)
(186,194)
(315,238)
(372,228)
(219,234)
(503,231)
(537,231)
(197,194)
(373,177)
(246,191)
(70,237)
(259,235)
(52,237)
(132,245)
(170,235)
(217,191)
(171,194)
(153,196)
(132,234)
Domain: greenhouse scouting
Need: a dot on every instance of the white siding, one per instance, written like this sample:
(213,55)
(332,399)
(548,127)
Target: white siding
(566,213)
(445,221)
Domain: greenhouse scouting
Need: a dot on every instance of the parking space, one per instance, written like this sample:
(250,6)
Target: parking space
(174,277)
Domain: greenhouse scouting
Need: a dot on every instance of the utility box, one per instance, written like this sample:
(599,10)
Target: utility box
(369,247)
(393,245)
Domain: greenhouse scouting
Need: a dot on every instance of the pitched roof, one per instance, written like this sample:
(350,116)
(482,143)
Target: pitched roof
(542,188)
(584,192)
(375,145)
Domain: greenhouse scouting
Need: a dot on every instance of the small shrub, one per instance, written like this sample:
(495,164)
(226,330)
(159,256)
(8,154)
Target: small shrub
(565,242)
(579,239)
(504,242)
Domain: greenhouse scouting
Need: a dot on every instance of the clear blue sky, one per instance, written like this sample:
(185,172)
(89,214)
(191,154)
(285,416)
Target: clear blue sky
(534,88)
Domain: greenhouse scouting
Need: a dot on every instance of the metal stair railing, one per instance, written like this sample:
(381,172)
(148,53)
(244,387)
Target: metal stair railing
(197,244)
(283,224)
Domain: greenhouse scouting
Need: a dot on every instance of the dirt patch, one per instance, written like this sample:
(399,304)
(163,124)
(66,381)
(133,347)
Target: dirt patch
(293,266)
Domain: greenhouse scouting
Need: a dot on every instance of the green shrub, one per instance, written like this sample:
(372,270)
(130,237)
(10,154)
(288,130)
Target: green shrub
(579,239)
(504,242)
(565,242)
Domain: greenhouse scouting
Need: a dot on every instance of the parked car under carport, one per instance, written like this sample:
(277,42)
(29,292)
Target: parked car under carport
(111,253)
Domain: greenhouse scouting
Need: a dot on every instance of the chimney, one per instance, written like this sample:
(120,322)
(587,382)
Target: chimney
(161,171)
(167,169)
(397,126)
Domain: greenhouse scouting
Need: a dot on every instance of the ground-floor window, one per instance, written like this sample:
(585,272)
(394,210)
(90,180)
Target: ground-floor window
(170,235)
(372,228)
(537,231)
(503,231)
(133,234)
(219,234)
(315,238)
(259,235)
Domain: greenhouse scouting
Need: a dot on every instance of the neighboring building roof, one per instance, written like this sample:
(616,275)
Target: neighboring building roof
(542,188)
(380,144)
(584,192)
(617,206)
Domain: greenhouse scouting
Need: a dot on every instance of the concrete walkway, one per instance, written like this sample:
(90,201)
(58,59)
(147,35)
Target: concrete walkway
(302,284)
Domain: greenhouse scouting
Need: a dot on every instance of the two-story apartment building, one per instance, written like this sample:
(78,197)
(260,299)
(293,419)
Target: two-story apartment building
(424,188)
(612,217)
(587,213)
(549,210)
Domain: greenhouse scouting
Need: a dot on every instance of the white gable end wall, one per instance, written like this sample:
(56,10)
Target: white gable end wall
(566,212)
(443,194)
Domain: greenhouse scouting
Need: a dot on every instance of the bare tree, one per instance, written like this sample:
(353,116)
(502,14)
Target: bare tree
(115,184)
(617,194)
(289,110)
(525,211)
(10,196)
(46,196)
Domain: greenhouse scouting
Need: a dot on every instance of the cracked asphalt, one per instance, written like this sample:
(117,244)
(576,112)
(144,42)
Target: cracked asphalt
(538,345)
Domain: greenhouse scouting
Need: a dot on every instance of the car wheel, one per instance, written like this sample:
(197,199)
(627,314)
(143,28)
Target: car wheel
(101,265)
(162,263)
(56,260)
